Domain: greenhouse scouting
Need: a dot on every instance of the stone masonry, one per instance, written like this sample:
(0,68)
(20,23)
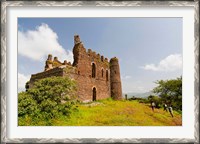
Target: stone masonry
(97,78)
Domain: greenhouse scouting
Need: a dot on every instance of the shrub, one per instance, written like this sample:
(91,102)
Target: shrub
(26,104)
(47,99)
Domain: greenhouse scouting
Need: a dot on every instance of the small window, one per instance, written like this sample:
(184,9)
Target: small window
(93,70)
(115,72)
(106,75)
(79,72)
(102,72)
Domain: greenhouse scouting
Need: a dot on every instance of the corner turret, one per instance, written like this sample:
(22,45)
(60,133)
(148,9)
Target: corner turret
(115,80)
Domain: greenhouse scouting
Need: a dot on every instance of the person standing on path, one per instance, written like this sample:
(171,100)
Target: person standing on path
(171,111)
(165,107)
(153,105)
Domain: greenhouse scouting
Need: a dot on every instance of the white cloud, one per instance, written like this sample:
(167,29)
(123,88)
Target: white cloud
(37,44)
(22,79)
(170,63)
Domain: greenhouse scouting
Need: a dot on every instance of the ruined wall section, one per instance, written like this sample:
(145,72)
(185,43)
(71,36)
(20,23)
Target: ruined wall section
(63,70)
(52,72)
(51,64)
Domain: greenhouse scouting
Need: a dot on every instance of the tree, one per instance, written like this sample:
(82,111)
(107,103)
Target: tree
(48,98)
(170,92)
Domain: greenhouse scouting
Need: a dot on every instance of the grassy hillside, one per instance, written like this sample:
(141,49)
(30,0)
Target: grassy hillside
(118,113)
(112,113)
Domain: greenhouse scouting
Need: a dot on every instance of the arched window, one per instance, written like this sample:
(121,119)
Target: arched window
(102,72)
(94,94)
(106,75)
(93,70)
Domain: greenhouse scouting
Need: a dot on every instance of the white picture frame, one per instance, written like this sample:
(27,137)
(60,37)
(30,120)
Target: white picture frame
(5,76)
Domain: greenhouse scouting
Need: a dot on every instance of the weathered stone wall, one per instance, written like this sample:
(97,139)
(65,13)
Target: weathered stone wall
(83,62)
(52,72)
(86,85)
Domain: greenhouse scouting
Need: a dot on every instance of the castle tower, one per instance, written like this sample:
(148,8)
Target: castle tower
(115,80)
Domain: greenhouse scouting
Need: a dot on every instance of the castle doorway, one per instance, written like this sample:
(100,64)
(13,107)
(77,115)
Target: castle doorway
(94,91)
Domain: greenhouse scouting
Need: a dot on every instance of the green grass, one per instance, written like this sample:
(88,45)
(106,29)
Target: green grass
(118,113)
(111,113)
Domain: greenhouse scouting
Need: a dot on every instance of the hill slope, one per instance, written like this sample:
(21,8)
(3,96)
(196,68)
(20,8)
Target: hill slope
(119,113)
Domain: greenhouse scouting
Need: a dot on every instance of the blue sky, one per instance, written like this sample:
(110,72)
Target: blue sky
(148,49)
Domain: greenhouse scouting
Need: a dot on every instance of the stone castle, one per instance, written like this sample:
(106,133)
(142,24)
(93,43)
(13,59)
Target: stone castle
(97,78)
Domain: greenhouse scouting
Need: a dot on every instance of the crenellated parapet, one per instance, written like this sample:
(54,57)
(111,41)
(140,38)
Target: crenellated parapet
(89,52)
(51,64)
(106,59)
(66,63)
(48,63)
(56,62)
(99,58)
(81,55)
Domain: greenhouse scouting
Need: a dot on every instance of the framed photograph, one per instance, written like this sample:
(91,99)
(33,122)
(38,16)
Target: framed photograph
(102,71)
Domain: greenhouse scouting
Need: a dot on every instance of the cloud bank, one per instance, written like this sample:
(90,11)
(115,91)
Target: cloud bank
(170,63)
(37,44)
